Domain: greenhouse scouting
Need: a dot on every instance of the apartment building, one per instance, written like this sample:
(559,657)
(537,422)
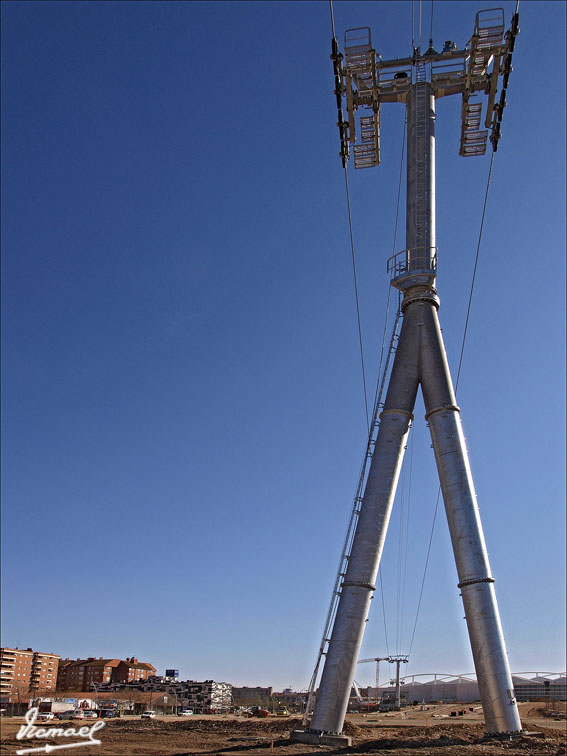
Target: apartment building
(44,672)
(206,697)
(85,674)
(80,674)
(131,670)
(203,697)
(25,672)
(245,696)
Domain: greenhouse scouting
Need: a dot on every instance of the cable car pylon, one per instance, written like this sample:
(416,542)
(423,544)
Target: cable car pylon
(420,358)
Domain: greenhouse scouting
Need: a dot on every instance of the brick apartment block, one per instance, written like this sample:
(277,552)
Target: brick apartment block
(80,674)
(23,672)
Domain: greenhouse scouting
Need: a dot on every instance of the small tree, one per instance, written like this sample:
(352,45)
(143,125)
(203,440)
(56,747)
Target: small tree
(19,695)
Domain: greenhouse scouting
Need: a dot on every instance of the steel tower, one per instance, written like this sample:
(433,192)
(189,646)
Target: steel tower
(420,360)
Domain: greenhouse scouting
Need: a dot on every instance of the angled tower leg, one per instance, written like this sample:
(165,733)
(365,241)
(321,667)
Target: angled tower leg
(473,567)
(358,585)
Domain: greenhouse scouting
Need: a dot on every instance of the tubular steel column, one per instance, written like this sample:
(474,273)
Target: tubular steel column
(420,193)
(358,584)
(473,567)
(475,580)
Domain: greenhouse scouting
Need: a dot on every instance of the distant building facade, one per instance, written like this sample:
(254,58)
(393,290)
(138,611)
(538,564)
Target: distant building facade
(291,699)
(203,697)
(44,672)
(207,696)
(451,689)
(246,696)
(541,688)
(85,674)
(26,672)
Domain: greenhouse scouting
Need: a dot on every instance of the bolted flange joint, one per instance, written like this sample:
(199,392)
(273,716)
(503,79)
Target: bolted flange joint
(357,584)
(420,294)
(474,581)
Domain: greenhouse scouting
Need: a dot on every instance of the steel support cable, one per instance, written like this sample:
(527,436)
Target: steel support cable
(439,489)
(408,510)
(347,545)
(370,427)
(353,256)
(474,271)
(473,280)
(353,263)
(400,493)
(425,569)
(412,26)
(384,612)
(332,18)
(393,253)
(380,383)
(354,512)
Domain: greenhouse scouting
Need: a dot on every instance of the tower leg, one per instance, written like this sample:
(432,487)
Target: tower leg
(398,686)
(358,585)
(473,567)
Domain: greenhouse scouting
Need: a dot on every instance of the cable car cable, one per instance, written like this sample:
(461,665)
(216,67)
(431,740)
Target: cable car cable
(473,280)
(353,256)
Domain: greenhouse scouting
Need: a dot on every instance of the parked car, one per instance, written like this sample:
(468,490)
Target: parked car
(71,714)
(89,714)
(257,711)
(108,713)
(185,712)
(149,715)
(43,716)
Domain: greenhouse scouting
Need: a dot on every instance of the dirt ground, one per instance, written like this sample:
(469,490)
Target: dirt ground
(415,732)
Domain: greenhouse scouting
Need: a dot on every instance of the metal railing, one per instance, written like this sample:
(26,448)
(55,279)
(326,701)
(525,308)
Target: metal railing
(414,261)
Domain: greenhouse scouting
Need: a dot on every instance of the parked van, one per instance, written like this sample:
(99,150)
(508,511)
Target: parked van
(71,714)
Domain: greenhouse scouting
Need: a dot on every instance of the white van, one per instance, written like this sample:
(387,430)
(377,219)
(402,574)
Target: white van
(71,714)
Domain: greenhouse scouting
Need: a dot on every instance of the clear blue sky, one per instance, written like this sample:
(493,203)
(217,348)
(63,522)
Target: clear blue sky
(183,422)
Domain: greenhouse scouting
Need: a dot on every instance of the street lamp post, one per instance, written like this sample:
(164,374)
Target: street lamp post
(93,684)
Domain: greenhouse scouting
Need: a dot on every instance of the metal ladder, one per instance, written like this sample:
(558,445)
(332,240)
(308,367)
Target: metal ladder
(421,96)
(473,140)
(360,67)
(353,520)
(367,153)
(488,33)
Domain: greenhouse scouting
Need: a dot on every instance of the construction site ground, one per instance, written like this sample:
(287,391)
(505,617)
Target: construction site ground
(417,731)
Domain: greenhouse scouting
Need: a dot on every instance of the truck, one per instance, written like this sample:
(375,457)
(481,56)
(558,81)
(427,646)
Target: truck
(55,707)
